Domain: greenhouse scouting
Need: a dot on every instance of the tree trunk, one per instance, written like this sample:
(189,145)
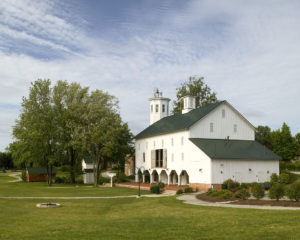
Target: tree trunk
(72,164)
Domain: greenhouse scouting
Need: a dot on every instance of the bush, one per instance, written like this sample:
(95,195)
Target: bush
(179,191)
(245,185)
(257,191)
(276,191)
(293,191)
(231,185)
(162,185)
(242,194)
(155,189)
(266,185)
(58,180)
(188,190)
(274,178)
(23,176)
(224,194)
(291,166)
(284,178)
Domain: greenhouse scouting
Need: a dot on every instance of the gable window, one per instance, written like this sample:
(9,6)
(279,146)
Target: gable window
(181,140)
(139,146)
(223,113)
(146,145)
(163,108)
(151,107)
(211,127)
(159,157)
(182,156)
(172,141)
(154,144)
(156,107)
(172,157)
(234,128)
(162,143)
(144,156)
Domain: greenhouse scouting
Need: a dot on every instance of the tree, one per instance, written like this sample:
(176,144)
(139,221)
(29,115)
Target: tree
(35,131)
(263,135)
(69,106)
(99,131)
(196,87)
(6,160)
(283,143)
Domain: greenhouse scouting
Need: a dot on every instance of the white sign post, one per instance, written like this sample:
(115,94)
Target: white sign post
(111,175)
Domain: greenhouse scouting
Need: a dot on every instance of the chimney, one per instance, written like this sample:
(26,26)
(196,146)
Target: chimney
(189,103)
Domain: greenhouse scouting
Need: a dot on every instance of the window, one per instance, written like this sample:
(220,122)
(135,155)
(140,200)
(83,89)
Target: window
(159,157)
(163,108)
(144,157)
(139,146)
(223,113)
(154,144)
(156,107)
(182,156)
(162,143)
(185,103)
(172,157)
(151,107)
(211,127)
(181,140)
(146,145)
(234,128)
(172,141)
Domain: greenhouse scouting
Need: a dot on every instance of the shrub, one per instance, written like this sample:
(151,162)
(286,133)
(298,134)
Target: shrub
(161,184)
(266,185)
(23,176)
(284,178)
(231,185)
(242,194)
(274,178)
(155,189)
(276,191)
(224,194)
(58,180)
(179,191)
(188,190)
(257,191)
(245,185)
(293,191)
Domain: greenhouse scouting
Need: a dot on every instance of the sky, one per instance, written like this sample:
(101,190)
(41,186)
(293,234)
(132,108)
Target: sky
(247,51)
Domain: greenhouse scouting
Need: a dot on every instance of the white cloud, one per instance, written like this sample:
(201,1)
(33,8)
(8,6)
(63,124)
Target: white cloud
(248,54)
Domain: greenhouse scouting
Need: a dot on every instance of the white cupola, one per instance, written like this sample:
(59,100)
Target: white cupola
(189,103)
(159,107)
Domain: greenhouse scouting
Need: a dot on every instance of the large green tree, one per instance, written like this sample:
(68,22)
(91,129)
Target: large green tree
(35,131)
(263,135)
(283,142)
(196,87)
(69,106)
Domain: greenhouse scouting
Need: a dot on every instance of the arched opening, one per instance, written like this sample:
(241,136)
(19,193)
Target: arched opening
(164,177)
(147,176)
(184,178)
(155,176)
(173,178)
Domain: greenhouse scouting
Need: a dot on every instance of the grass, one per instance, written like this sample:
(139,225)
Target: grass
(145,218)
(40,189)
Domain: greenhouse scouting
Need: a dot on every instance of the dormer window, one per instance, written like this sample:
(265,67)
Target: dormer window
(181,140)
(151,108)
(156,107)
(163,108)
(234,128)
(223,113)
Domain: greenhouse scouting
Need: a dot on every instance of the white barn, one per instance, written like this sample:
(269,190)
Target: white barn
(202,147)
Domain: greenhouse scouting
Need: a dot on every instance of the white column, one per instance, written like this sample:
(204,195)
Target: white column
(143,178)
(169,179)
(151,180)
(159,178)
(179,180)
(136,178)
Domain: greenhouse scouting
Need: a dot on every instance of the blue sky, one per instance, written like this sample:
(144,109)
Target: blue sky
(248,52)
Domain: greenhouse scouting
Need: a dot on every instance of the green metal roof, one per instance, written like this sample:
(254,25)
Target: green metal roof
(234,149)
(177,122)
(39,170)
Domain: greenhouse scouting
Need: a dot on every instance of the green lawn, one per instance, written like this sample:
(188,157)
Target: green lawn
(145,218)
(40,189)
